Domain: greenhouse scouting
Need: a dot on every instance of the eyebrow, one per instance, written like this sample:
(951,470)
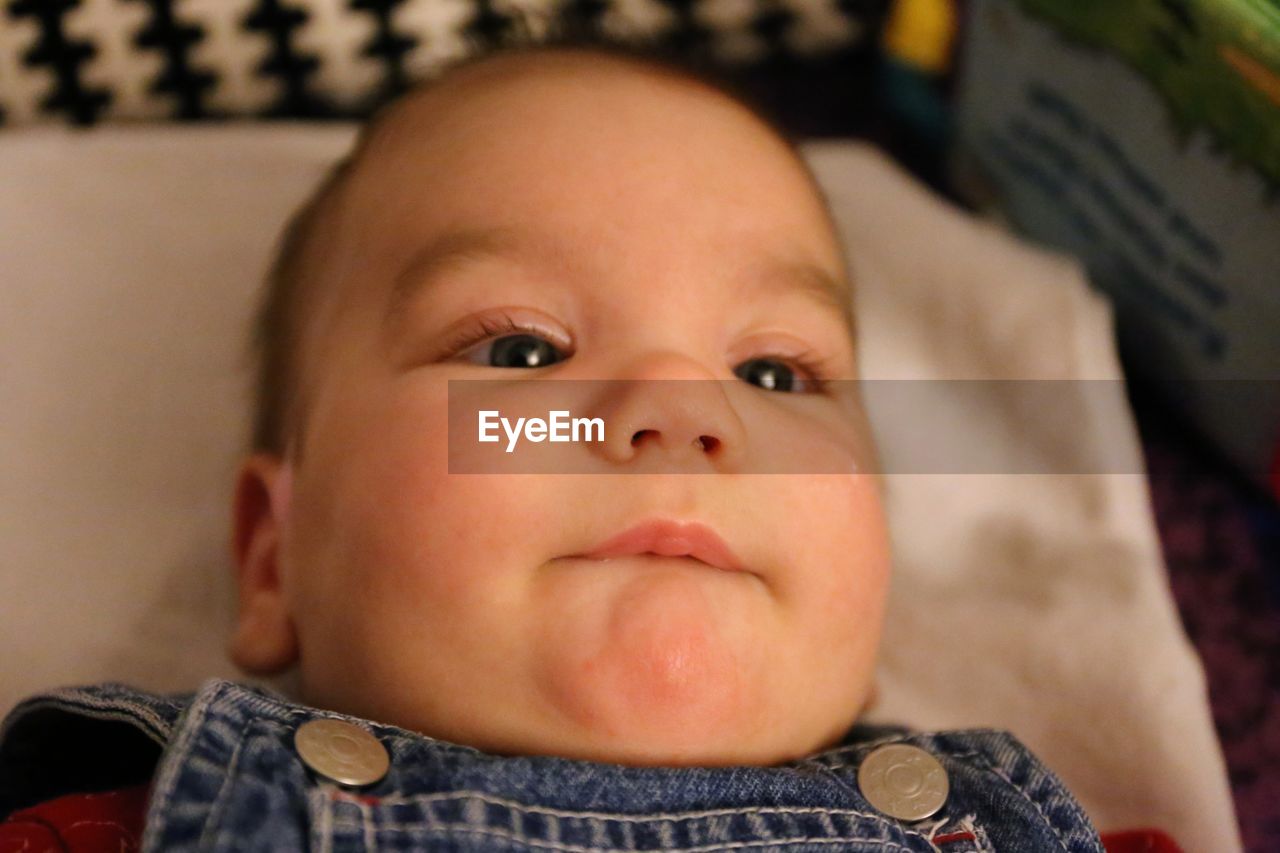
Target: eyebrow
(462,245)
(446,250)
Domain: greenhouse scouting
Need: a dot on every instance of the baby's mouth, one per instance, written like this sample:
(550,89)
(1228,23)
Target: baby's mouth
(667,538)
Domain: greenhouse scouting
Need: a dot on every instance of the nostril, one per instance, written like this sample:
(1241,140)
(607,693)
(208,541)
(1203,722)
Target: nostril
(706,443)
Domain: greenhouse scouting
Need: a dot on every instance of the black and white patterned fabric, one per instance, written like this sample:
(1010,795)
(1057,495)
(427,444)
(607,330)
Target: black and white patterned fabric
(84,62)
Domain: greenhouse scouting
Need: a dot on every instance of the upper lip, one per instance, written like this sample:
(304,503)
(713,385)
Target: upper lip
(669,539)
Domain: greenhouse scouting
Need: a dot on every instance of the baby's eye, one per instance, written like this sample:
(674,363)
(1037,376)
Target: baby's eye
(523,350)
(773,375)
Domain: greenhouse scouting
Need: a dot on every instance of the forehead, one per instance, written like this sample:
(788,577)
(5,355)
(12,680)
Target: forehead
(616,163)
(569,125)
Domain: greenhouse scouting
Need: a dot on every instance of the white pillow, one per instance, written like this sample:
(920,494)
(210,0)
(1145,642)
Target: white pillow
(131,259)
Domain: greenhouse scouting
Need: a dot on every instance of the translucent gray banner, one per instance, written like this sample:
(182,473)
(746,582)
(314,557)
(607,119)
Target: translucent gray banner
(550,426)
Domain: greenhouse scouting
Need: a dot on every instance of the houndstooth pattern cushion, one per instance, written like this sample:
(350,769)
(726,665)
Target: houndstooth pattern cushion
(88,61)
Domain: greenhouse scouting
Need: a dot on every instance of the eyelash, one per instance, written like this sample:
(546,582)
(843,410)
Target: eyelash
(813,367)
(486,328)
(498,326)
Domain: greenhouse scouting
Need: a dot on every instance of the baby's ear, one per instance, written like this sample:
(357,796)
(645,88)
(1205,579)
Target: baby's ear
(265,641)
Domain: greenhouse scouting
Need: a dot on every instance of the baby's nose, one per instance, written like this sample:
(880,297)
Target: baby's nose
(674,409)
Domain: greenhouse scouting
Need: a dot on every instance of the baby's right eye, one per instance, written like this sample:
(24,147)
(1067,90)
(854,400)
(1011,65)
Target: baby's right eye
(506,339)
(522,350)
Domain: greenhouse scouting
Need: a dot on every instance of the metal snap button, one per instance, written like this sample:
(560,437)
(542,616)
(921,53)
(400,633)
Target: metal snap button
(903,781)
(341,751)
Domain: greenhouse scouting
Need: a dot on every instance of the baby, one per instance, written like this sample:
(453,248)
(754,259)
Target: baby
(560,662)
(553,214)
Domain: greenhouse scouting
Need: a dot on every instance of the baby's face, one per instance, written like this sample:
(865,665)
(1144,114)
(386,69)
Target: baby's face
(637,229)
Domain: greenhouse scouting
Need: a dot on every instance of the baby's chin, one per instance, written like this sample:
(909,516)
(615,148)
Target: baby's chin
(659,661)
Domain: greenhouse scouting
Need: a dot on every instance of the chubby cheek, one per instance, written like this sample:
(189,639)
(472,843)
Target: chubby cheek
(461,540)
(404,560)
(840,541)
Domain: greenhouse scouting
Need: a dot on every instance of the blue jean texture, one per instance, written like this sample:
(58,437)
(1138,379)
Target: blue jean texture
(227,777)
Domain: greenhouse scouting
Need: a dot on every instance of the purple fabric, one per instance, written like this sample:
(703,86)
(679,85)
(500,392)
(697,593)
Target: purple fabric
(1221,542)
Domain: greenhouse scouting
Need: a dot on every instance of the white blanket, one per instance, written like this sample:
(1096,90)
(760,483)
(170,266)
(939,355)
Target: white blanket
(1038,603)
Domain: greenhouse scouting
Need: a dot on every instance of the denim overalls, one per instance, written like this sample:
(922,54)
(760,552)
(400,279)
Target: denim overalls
(228,776)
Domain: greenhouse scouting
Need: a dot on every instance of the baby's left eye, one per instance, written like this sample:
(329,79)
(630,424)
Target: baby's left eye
(773,375)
